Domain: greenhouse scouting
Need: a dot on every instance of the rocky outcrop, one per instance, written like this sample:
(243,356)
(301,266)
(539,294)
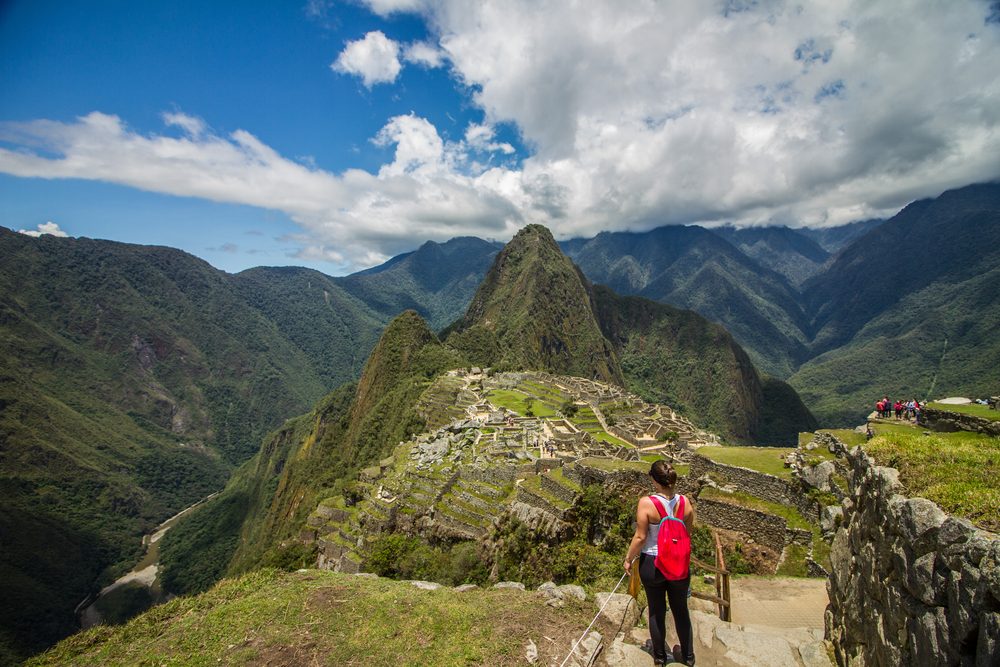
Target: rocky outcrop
(909,584)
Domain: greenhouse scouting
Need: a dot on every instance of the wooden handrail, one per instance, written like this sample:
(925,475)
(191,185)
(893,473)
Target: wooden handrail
(723,596)
(710,598)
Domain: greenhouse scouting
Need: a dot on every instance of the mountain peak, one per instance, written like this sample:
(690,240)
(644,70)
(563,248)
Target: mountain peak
(534,310)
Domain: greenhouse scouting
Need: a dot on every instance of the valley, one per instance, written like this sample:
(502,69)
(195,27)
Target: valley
(165,412)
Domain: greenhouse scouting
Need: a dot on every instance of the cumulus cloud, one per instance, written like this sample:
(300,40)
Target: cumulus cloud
(635,115)
(374,58)
(353,219)
(49,228)
(748,112)
(422,53)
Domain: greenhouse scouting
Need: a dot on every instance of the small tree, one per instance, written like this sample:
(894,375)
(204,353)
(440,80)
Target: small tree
(529,401)
(569,408)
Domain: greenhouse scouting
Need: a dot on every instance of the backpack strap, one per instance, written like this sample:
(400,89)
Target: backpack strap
(659,506)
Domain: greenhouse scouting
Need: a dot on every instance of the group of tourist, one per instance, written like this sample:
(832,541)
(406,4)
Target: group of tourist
(909,410)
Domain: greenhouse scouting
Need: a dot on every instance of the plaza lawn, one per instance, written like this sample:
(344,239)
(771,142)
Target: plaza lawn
(973,409)
(519,402)
(768,460)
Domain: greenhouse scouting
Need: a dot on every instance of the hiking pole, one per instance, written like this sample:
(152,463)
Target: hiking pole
(580,640)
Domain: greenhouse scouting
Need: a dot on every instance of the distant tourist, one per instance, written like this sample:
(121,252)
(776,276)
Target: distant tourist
(649,521)
(898,409)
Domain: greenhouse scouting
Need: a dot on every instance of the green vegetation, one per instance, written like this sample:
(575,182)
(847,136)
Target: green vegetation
(974,409)
(309,459)
(520,403)
(794,564)
(585,420)
(268,617)
(402,557)
(958,471)
(533,311)
(849,436)
(678,358)
(786,512)
(768,460)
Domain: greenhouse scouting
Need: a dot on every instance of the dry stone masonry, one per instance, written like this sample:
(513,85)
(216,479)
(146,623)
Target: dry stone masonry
(910,585)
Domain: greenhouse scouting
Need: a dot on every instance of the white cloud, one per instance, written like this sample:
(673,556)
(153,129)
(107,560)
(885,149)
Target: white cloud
(375,58)
(49,227)
(388,7)
(419,148)
(637,115)
(192,126)
(699,111)
(353,219)
(480,137)
(422,53)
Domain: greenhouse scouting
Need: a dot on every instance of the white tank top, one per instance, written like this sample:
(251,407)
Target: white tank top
(653,532)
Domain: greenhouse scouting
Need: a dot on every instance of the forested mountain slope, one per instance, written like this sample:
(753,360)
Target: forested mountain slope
(695,268)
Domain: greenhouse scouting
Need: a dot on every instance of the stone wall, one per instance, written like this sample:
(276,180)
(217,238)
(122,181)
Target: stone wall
(633,482)
(767,529)
(942,420)
(563,493)
(497,475)
(910,585)
(755,483)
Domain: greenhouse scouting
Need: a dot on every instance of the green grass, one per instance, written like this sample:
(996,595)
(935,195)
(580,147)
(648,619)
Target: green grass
(518,402)
(768,460)
(958,471)
(318,617)
(786,512)
(849,436)
(533,483)
(586,420)
(821,550)
(558,476)
(973,409)
(794,564)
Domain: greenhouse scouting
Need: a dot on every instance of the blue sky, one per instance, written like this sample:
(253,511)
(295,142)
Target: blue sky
(336,134)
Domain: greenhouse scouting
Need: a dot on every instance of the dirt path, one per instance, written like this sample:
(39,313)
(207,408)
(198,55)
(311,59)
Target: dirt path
(779,602)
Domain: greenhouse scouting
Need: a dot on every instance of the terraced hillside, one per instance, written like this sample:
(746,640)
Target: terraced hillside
(524,443)
(530,448)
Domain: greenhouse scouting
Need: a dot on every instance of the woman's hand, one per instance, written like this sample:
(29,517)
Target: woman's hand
(628,566)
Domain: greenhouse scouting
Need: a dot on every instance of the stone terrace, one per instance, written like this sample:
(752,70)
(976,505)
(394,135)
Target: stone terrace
(482,460)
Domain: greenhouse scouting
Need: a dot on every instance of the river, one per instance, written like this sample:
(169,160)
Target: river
(145,572)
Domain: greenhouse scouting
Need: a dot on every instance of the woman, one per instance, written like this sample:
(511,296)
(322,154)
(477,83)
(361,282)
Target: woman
(648,521)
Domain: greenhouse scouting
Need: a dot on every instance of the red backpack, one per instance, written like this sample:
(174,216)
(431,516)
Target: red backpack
(673,544)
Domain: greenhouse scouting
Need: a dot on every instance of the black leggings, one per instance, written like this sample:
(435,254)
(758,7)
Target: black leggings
(658,590)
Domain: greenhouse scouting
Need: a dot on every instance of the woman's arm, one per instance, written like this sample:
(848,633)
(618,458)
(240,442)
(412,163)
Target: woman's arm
(641,529)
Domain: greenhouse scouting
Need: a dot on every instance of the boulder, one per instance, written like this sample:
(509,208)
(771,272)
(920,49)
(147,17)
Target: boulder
(918,520)
(818,476)
(572,590)
(509,584)
(988,646)
(426,585)
(618,609)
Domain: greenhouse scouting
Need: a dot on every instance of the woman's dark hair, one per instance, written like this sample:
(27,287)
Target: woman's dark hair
(663,472)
